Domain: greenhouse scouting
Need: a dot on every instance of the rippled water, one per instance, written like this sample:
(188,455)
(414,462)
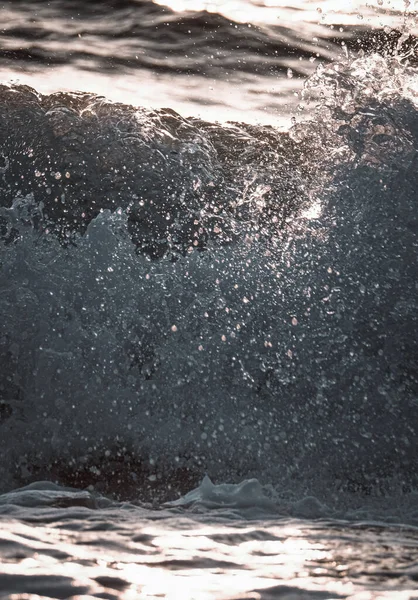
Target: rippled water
(208,330)
(68,547)
(241,61)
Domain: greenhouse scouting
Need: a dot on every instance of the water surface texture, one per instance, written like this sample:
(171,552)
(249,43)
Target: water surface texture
(236,60)
(208,300)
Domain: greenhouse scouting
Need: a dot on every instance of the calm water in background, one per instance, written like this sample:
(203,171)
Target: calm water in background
(281,360)
(239,60)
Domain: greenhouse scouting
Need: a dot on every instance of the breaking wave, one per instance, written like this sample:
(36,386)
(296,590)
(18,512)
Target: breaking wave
(180,298)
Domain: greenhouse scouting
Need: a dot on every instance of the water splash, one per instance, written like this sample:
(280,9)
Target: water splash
(282,348)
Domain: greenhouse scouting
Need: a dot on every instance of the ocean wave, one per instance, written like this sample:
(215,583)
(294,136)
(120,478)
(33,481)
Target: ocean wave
(145,35)
(206,64)
(148,36)
(179,297)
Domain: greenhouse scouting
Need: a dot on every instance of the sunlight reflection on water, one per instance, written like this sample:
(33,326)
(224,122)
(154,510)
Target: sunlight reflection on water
(236,83)
(267,101)
(194,559)
(275,12)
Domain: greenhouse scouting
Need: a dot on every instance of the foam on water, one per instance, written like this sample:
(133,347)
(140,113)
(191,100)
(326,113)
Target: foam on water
(281,346)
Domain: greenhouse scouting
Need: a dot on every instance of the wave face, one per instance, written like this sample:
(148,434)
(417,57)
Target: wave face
(180,298)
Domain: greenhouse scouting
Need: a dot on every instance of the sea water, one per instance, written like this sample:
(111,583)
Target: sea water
(208,330)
